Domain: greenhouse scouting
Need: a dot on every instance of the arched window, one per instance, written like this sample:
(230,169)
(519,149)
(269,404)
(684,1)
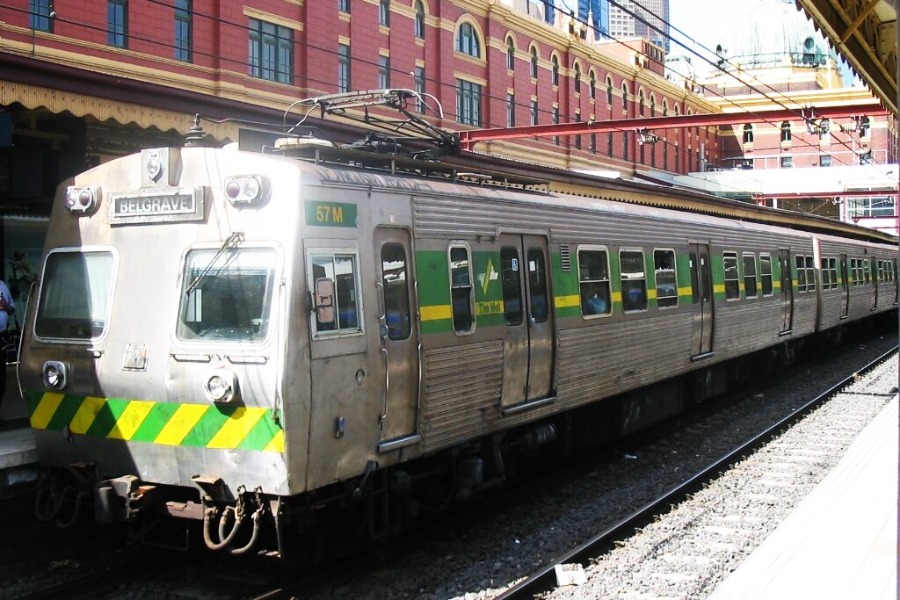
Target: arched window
(467,40)
(534,62)
(577,76)
(420,20)
(652,105)
(609,91)
(785,131)
(748,133)
(665,107)
(510,53)
(554,76)
(641,102)
(624,96)
(593,85)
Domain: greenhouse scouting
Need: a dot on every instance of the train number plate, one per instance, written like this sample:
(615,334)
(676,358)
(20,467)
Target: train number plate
(330,214)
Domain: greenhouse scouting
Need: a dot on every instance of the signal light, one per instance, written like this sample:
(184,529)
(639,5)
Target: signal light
(83,200)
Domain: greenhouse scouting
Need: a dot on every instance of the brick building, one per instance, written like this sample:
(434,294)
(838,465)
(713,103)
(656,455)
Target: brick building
(802,164)
(86,81)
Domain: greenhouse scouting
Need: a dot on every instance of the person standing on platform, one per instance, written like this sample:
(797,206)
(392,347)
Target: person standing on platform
(7,308)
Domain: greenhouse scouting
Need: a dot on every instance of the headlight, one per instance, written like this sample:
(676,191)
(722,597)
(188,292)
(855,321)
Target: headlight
(55,375)
(82,200)
(245,189)
(221,386)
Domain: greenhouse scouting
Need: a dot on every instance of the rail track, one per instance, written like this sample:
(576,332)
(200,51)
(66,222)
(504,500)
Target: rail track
(547,577)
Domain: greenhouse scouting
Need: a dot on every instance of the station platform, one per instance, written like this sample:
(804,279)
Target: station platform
(17,450)
(842,540)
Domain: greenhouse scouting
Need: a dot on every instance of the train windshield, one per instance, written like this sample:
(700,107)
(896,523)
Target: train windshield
(227,295)
(75,295)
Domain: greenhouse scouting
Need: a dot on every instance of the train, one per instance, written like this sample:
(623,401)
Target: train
(261,346)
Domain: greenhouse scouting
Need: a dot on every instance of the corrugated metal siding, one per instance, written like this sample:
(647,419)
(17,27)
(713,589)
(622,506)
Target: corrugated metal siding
(596,362)
(461,398)
(832,306)
(745,326)
(464,216)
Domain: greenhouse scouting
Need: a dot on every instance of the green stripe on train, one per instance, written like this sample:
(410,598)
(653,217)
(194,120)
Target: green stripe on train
(165,423)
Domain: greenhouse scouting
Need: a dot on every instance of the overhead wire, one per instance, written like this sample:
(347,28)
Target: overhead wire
(718,65)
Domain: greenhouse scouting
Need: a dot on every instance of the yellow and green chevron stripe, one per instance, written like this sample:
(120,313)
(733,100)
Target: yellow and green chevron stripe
(166,423)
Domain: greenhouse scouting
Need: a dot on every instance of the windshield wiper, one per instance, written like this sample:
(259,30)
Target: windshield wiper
(233,241)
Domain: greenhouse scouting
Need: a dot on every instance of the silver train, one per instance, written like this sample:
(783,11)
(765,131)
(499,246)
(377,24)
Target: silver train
(268,347)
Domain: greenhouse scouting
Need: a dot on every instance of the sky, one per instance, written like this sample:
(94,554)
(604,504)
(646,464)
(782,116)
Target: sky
(700,23)
(698,19)
(701,20)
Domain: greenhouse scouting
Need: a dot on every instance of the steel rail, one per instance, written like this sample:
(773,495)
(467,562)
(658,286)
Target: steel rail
(544,579)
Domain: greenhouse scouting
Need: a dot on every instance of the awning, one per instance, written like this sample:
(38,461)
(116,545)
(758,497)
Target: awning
(103,109)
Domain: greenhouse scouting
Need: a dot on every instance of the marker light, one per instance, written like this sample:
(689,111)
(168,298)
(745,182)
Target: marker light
(55,375)
(82,200)
(154,167)
(221,386)
(245,189)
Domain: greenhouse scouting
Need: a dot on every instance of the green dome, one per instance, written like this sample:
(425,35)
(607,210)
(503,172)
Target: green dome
(772,33)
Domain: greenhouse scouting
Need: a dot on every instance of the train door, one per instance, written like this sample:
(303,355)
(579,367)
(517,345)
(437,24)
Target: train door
(399,336)
(896,281)
(701,284)
(528,344)
(873,271)
(845,287)
(787,292)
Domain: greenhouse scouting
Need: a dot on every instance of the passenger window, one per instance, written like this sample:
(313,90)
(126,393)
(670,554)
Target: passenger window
(732,277)
(666,282)
(765,274)
(810,274)
(829,273)
(695,283)
(461,290)
(593,276)
(537,285)
(75,295)
(634,280)
(338,307)
(749,275)
(801,273)
(510,277)
(394,279)
(826,275)
(226,295)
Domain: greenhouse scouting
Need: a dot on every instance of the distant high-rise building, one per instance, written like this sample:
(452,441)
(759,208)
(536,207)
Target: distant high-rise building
(641,18)
(596,14)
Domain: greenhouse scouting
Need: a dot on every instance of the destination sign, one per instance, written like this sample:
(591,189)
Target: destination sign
(153,206)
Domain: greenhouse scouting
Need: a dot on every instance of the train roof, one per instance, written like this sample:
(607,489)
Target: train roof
(472,168)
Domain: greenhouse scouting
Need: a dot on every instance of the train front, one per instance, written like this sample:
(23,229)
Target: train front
(153,361)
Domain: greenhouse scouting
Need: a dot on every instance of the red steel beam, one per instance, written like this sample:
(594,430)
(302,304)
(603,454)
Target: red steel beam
(470,138)
(834,194)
